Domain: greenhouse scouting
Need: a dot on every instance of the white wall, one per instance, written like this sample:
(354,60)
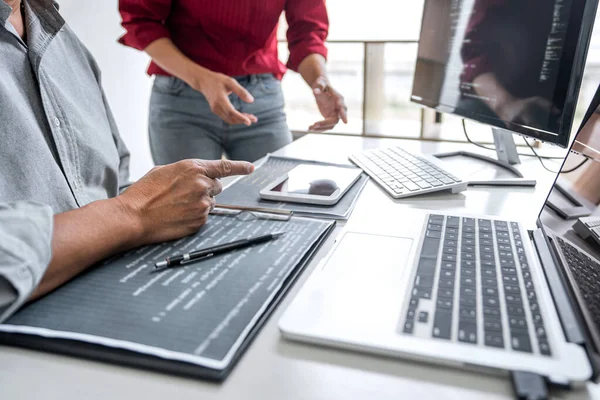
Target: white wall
(97,23)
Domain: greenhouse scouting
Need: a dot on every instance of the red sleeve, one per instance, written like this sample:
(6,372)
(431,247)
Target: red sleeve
(144,21)
(308,26)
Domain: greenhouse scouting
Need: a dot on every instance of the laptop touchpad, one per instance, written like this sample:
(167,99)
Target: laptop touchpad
(368,262)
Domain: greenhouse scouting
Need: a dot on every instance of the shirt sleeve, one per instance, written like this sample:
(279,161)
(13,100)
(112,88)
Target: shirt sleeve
(25,252)
(144,21)
(308,26)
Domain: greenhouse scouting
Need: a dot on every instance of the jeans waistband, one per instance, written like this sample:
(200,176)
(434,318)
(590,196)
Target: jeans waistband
(253,79)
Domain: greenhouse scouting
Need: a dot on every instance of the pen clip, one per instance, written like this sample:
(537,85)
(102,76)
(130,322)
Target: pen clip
(185,262)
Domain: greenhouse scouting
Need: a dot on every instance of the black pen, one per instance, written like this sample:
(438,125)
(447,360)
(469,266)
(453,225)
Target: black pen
(213,251)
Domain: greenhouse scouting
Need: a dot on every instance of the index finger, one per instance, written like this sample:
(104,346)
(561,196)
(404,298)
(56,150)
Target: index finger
(222,168)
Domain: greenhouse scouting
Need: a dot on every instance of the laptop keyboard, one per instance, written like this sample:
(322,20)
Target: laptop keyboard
(473,279)
(404,174)
(586,272)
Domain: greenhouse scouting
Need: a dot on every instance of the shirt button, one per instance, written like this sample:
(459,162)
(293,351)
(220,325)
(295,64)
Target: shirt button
(56,122)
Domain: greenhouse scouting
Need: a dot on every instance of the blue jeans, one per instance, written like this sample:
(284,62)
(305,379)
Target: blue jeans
(181,124)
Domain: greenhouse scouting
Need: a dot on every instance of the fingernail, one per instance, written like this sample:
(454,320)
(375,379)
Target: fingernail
(317,91)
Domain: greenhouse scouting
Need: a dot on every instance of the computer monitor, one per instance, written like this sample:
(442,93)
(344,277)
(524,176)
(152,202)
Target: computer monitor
(512,64)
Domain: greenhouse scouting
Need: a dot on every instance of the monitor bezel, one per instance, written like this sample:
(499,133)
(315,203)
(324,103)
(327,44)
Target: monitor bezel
(570,76)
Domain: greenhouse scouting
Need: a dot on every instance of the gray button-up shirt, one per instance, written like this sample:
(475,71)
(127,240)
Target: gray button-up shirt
(25,237)
(59,144)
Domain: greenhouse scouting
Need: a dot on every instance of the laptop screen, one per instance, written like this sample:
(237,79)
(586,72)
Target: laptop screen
(576,191)
(571,217)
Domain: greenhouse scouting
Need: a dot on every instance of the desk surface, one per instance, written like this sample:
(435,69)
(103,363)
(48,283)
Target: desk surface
(274,368)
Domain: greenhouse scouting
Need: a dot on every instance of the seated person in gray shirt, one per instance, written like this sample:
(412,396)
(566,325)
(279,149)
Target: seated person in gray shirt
(59,146)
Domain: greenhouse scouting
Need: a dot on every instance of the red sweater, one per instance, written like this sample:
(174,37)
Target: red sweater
(233,37)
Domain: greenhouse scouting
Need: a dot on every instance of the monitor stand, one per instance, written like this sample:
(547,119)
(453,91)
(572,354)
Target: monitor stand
(506,151)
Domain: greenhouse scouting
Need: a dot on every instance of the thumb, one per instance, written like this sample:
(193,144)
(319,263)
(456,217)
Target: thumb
(238,89)
(222,168)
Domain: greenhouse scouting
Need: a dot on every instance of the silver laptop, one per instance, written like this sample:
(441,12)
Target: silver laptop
(466,291)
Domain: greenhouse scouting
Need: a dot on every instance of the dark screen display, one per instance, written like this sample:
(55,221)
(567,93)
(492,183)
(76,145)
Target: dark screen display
(507,63)
(317,180)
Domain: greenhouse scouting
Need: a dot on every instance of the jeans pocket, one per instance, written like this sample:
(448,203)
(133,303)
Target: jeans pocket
(269,84)
(168,84)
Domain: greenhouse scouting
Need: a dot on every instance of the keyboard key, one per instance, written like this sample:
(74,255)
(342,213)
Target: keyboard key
(544,347)
(467,291)
(540,332)
(467,313)
(423,316)
(427,265)
(513,298)
(492,325)
(494,339)
(433,234)
(449,250)
(452,221)
(425,281)
(537,318)
(447,274)
(436,219)
(467,281)
(467,332)
(408,327)
(442,325)
(517,323)
(411,186)
(446,283)
(488,273)
(489,312)
(448,257)
(468,301)
(469,221)
(411,314)
(447,293)
(444,303)
(449,265)
(515,311)
(485,282)
(520,342)
(489,291)
(491,302)
(430,248)
(423,293)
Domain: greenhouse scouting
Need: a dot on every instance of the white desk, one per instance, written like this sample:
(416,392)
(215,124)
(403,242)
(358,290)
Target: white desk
(276,369)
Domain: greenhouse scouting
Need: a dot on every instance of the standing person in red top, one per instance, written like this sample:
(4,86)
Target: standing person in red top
(217,73)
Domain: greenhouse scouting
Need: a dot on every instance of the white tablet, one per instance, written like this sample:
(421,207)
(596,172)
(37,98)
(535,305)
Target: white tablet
(313,184)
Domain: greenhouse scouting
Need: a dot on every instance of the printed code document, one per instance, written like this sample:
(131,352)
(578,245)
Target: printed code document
(199,313)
